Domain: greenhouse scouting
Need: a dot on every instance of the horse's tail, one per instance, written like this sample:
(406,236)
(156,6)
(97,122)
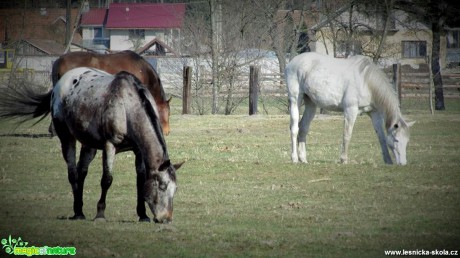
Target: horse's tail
(24,102)
(55,71)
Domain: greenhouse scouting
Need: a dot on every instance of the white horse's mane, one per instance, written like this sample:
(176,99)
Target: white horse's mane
(383,94)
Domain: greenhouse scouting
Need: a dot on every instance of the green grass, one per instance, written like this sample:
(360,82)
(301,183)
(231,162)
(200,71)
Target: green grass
(239,195)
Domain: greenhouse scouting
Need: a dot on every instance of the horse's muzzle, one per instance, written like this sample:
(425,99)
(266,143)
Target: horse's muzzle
(164,221)
(164,217)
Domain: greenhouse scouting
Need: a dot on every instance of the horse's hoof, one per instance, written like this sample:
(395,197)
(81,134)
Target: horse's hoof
(100,219)
(146,219)
(77,217)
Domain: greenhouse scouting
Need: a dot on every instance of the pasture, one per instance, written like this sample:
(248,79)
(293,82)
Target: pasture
(240,196)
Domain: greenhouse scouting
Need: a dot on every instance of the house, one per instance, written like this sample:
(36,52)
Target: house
(407,41)
(32,33)
(43,23)
(150,28)
(95,35)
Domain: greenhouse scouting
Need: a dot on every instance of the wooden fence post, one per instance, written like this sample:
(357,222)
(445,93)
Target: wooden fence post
(397,80)
(254,73)
(430,90)
(186,90)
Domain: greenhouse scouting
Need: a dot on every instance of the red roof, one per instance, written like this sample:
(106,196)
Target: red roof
(94,17)
(145,16)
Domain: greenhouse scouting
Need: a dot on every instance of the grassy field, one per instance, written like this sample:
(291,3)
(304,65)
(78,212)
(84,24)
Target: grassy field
(239,195)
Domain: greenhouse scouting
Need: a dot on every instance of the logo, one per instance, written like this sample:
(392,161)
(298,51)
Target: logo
(18,246)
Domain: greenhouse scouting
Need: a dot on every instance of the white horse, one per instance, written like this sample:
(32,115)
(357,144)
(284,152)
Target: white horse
(352,86)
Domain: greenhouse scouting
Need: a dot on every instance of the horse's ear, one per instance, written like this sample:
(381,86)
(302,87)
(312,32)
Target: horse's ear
(409,124)
(178,165)
(166,164)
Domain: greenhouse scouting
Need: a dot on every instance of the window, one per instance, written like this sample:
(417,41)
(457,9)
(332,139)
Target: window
(98,32)
(414,49)
(136,34)
(452,39)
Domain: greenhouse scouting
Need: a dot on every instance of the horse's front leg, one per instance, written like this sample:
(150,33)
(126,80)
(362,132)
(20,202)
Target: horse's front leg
(350,115)
(141,177)
(377,122)
(108,157)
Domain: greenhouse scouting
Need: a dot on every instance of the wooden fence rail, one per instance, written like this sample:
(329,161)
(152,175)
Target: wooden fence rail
(415,83)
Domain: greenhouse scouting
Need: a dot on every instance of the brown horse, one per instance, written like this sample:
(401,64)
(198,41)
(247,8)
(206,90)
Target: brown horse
(127,61)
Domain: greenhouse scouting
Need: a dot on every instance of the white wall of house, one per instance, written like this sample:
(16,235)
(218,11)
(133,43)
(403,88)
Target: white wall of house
(120,40)
(87,33)
(37,63)
(93,40)
(401,35)
(36,69)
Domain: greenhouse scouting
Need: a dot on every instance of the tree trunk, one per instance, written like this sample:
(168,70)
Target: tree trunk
(215,48)
(67,22)
(349,43)
(435,67)
(389,4)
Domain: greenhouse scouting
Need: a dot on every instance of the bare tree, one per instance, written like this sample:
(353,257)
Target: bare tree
(216,42)
(284,23)
(357,27)
(222,43)
(437,14)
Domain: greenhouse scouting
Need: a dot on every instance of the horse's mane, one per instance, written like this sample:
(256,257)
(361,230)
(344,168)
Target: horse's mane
(383,94)
(150,109)
(155,120)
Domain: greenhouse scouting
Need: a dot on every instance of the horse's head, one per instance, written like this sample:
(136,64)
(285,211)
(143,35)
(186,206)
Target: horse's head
(397,140)
(159,192)
(163,112)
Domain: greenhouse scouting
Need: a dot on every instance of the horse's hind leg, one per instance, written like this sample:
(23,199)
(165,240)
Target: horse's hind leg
(86,156)
(294,111)
(304,126)
(68,146)
(141,177)
(51,129)
(108,157)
